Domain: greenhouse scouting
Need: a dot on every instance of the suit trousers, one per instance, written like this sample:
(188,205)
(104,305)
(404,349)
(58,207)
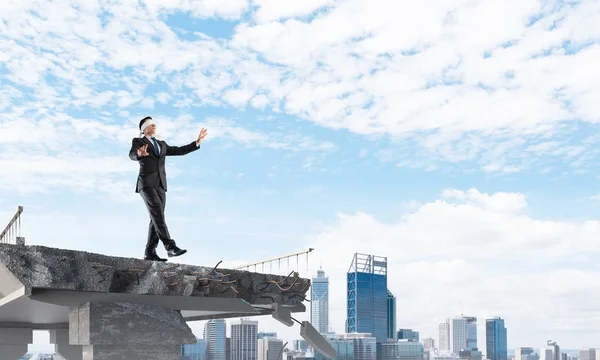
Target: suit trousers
(155,199)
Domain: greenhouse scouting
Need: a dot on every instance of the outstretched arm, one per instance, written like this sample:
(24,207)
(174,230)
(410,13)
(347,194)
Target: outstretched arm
(182,150)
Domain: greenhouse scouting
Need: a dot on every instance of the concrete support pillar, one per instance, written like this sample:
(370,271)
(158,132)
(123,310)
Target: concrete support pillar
(14,343)
(122,331)
(60,339)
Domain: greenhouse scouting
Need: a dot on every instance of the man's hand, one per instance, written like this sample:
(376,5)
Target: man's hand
(142,151)
(201,136)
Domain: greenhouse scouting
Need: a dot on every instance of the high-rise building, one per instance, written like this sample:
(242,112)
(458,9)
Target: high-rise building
(227,348)
(391,316)
(195,351)
(526,353)
(462,334)
(300,345)
(444,336)
(410,350)
(428,344)
(269,348)
(495,339)
(356,347)
(407,334)
(387,350)
(367,296)
(551,351)
(587,354)
(244,340)
(471,324)
(319,305)
(214,335)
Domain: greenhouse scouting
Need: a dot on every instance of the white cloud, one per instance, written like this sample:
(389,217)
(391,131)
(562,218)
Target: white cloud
(270,10)
(482,251)
(347,70)
(458,82)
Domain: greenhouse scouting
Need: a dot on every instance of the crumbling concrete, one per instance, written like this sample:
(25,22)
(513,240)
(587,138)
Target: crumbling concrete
(124,308)
(59,269)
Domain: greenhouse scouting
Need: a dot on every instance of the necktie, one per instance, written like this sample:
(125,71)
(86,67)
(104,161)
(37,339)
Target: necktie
(156,146)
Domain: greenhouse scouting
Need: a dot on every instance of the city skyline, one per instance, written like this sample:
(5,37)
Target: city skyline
(458,139)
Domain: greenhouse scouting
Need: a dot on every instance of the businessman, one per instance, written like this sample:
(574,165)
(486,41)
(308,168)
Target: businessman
(150,153)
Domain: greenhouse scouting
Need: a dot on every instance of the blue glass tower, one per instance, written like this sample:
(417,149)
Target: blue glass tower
(367,296)
(495,339)
(195,351)
(391,316)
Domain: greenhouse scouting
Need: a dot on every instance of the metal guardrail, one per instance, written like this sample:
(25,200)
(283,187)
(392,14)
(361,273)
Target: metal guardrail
(12,232)
(278,259)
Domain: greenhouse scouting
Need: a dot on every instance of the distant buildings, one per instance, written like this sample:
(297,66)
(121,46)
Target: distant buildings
(588,354)
(428,344)
(495,339)
(458,333)
(525,353)
(269,348)
(551,351)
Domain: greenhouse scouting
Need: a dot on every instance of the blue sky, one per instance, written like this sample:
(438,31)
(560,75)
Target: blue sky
(459,139)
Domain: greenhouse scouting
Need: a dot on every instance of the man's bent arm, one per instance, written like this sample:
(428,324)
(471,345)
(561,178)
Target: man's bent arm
(182,150)
(133,152)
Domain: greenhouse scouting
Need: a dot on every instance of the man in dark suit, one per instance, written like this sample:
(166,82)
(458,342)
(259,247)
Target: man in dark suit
(152,183)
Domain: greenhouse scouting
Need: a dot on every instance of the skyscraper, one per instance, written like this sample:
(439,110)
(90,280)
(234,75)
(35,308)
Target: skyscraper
(391,316)
(195,351)
(495,339)
(551,351)
(462,333)
(587,354)
(471,324)
(269,348)
(408,334)
(214,335)
(367,296)
(319,306)
(444,336)
(523,352)
(244,345)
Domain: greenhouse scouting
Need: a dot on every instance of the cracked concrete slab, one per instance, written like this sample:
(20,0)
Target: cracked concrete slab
(38,284)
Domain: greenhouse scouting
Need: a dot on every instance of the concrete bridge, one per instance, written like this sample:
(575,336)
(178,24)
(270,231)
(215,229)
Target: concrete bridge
(99,307)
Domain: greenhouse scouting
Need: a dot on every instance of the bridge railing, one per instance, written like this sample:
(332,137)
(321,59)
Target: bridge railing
(12,232)
(276,261)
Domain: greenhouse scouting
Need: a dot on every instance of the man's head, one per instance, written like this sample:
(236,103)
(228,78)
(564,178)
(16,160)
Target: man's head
(147,126)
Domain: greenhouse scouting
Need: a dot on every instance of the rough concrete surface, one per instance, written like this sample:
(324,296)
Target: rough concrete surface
(61,269)
(125,324)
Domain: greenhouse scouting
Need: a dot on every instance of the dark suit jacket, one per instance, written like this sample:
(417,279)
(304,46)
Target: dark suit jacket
(152,167)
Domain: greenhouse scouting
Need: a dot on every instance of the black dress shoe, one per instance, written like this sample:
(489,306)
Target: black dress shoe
(175,251)
(151,255)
